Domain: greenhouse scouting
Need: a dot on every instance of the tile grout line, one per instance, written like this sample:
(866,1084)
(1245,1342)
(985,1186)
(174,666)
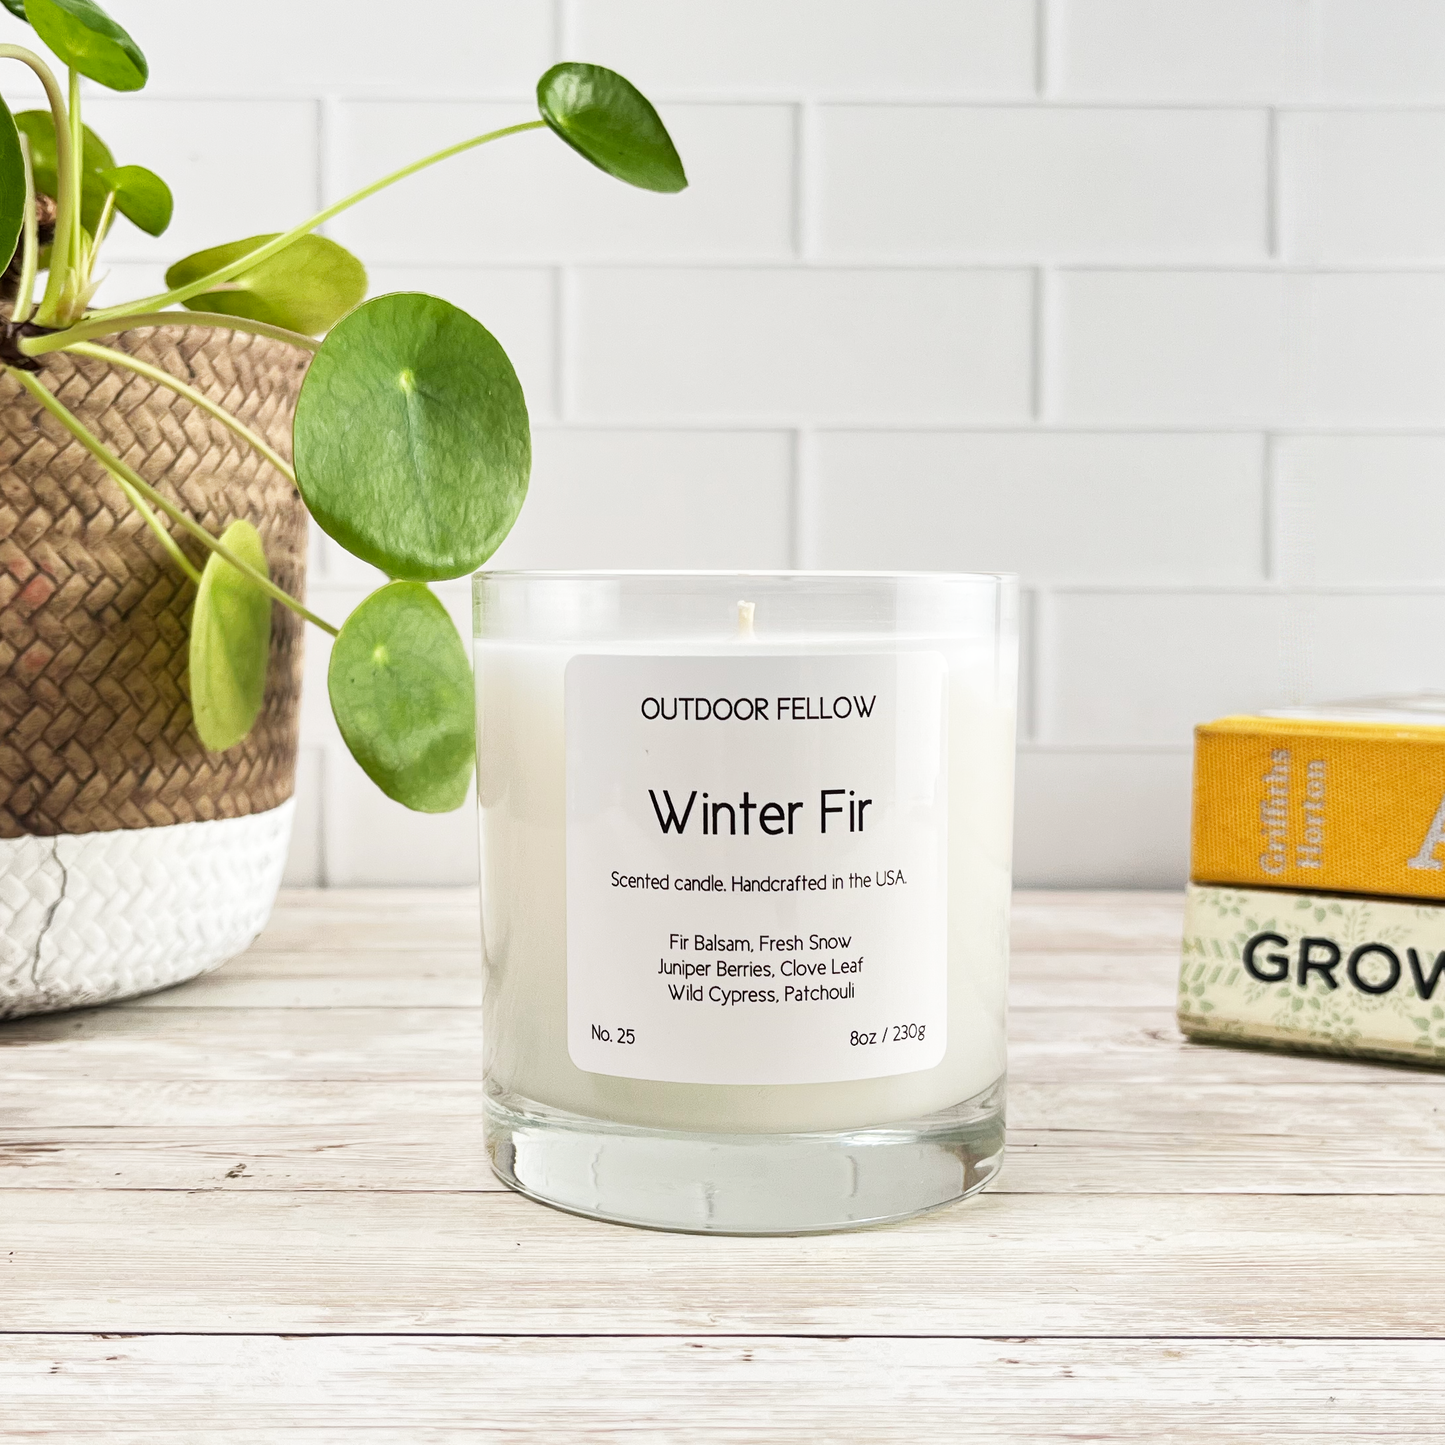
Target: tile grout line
(929,264)
(1270,523)
(329,132)
(1066,586)
(1015,425)
(1044,30)
(805,182)
(565,305)
(1273,201)
(802,548)
(1041,397)
(1041,619)
(1026,725)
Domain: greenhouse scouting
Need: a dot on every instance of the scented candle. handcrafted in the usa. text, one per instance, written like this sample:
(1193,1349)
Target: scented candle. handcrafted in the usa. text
(745,878)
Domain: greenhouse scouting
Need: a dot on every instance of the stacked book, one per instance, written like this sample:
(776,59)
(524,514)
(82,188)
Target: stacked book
(1316,912)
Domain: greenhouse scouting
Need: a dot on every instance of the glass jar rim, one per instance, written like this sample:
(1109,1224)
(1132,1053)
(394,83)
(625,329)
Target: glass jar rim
(763,607)
(780,574)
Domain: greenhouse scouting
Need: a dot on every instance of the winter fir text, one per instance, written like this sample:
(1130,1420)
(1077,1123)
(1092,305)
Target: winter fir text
(835,805)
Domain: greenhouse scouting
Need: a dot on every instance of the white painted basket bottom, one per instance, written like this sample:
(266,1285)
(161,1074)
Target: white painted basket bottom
(87,918)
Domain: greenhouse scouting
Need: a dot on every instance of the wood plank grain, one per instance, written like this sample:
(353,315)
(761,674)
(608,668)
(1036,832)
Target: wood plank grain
(336,1043)
(251,1389)
(353,900)
(350,978)
(78,1100)
(1063,1139)
(1110,921)
(1085,980)
(293,1146)
(1129,1045)
(367,918)
(415,1154)
(390,1263)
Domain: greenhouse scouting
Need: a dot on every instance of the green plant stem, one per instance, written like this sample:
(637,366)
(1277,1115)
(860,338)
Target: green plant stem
(80,258)
(197,398)
(30,244)
(113,464)
(107,326)
(154,523)
(66,165)
(262,253)
(102,226)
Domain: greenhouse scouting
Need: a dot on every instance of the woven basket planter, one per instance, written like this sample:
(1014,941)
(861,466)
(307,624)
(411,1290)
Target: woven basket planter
(130,857)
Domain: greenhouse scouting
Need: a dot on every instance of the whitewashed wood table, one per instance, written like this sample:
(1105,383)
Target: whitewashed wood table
(255,1209)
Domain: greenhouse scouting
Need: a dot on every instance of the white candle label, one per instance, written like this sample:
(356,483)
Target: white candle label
(757,862)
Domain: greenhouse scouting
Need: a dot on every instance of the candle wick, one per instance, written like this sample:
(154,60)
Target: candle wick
(745,618)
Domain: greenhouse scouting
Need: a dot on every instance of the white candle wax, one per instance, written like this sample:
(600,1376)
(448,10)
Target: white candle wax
(522,789)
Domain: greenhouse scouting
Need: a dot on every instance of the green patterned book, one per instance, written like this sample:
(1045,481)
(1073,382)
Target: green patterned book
(1363,976)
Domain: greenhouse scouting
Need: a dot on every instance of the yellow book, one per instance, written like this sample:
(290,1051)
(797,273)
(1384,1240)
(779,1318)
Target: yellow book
(1348,800)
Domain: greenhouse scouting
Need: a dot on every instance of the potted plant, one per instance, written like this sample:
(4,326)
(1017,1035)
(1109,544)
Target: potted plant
(160,459)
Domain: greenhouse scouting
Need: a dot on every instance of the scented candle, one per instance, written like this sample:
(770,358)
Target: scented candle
(745,883)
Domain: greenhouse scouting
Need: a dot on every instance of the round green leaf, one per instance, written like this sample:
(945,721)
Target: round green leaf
(230,643)
(12,185)
(95,160)
(15,7)
(411,439)
(308,287)
(88,40)
(608,120)
(141,196)
(401,690)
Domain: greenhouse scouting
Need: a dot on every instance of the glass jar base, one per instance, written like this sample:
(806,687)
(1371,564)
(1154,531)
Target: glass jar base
(697,1183)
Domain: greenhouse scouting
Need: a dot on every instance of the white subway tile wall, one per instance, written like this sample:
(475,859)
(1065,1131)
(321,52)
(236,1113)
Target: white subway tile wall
(1143,299)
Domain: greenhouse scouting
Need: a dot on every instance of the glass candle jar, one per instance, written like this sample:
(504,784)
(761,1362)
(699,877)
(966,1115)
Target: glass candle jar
(745,888)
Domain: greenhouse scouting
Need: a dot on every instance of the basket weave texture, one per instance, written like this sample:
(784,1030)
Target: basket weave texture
(95,722)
